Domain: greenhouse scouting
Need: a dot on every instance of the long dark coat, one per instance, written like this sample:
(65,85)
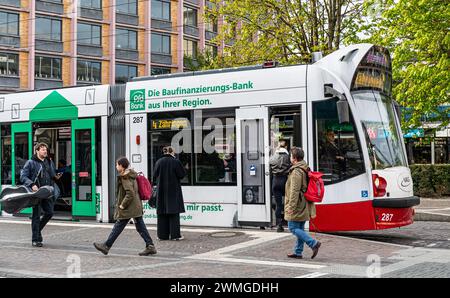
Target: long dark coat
(168,173)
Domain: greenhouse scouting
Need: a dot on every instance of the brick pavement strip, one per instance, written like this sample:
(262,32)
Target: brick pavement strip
(250,253)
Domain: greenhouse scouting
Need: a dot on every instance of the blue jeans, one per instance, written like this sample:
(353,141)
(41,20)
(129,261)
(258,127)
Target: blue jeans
(38,223)
(298,229)
(120,225)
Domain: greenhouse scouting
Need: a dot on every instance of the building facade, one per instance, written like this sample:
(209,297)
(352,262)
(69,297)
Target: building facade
(58,43)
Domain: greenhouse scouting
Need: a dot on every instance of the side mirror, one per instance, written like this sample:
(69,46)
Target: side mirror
(343,111)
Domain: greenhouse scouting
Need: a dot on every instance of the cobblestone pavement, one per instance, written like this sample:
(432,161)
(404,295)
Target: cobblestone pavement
(221,253)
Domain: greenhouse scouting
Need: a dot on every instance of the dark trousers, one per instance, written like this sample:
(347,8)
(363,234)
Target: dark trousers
(38,223)
(120,225)
(168,226)
(278,189)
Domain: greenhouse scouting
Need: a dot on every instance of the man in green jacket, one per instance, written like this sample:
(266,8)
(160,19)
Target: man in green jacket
(297,210)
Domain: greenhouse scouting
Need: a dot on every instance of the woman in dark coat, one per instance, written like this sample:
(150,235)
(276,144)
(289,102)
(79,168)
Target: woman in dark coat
(168,173)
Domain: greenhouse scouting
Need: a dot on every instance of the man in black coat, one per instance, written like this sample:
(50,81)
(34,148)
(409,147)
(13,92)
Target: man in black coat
(168,174)
(37,172)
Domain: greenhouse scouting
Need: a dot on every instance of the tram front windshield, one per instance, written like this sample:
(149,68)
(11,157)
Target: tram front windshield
(376,112)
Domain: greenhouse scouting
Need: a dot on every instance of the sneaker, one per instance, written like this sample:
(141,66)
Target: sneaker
(101,247)
(294,256)
(149,250)
(36,244)
(316,249)
(178,239)
(280,229)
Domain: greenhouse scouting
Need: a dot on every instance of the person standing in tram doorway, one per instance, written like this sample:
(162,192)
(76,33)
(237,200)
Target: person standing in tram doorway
(279,166)
(40,171)
(169,201)
(128,205)
(297,210)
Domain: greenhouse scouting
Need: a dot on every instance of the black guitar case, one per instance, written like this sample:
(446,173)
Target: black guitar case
(16,198)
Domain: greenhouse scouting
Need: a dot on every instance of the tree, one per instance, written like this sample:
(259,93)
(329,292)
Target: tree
(284,30)
(417,34)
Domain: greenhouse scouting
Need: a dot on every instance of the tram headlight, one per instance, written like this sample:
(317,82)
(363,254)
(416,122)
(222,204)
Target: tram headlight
(379,185)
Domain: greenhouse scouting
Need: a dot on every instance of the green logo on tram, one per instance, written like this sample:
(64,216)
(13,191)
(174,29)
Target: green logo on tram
(137,100)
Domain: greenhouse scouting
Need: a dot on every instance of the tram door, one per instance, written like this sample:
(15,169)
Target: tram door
(252,132)
(83,168)
(21,151)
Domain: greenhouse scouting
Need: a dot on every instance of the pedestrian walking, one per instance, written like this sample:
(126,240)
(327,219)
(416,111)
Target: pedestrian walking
(40,171)
(297,209)
(279,166)
(169,202)
(128,206)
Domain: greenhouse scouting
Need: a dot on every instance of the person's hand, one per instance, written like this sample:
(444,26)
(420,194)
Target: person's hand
(34,188)
(58,176)
(121,207)
(340,157)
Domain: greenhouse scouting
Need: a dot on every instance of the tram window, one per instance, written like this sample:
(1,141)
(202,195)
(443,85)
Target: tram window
(6,154)
(174,129)
(337,150)
(215,158)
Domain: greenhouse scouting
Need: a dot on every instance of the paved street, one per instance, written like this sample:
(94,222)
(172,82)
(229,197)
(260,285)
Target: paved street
(217,253)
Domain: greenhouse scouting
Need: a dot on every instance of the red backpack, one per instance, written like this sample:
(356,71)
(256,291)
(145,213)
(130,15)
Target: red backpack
(316,189)
(144,187)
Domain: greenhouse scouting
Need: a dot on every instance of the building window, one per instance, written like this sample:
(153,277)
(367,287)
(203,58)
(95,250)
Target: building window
(126,6)
(47,68)
(89,34)
(126,39)
(190,48)
(89,71)
(337,150)
(159,71)
(9,24)
(211,51)
(161,10)
(165,128)
(215,153)
(190,16)
(9,64)
(48,29)
(125,72)
(160,44)
(91,4)
(211,26)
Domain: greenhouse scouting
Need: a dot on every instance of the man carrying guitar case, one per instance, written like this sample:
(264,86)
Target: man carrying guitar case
(40,171)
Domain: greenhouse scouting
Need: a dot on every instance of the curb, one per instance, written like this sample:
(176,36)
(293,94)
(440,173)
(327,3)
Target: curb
(423,216)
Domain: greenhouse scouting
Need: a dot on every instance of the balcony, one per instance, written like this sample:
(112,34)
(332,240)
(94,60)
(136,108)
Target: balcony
(209,35)
(50,6)
(49,45)
(90,50)
(195,2)
(162,25)
(41,83)
(128,19)
(162,58)
(13,3)
(127,54)
(9,81)
(9,41)
(91,13)
(191,30)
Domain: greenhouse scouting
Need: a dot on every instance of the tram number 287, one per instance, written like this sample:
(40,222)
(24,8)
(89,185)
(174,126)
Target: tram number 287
(387,216)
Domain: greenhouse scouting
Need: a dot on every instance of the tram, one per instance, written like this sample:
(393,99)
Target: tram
(224,126)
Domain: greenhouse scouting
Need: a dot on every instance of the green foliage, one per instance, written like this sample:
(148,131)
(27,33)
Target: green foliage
(417,34)
(287,31)
(431,180)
